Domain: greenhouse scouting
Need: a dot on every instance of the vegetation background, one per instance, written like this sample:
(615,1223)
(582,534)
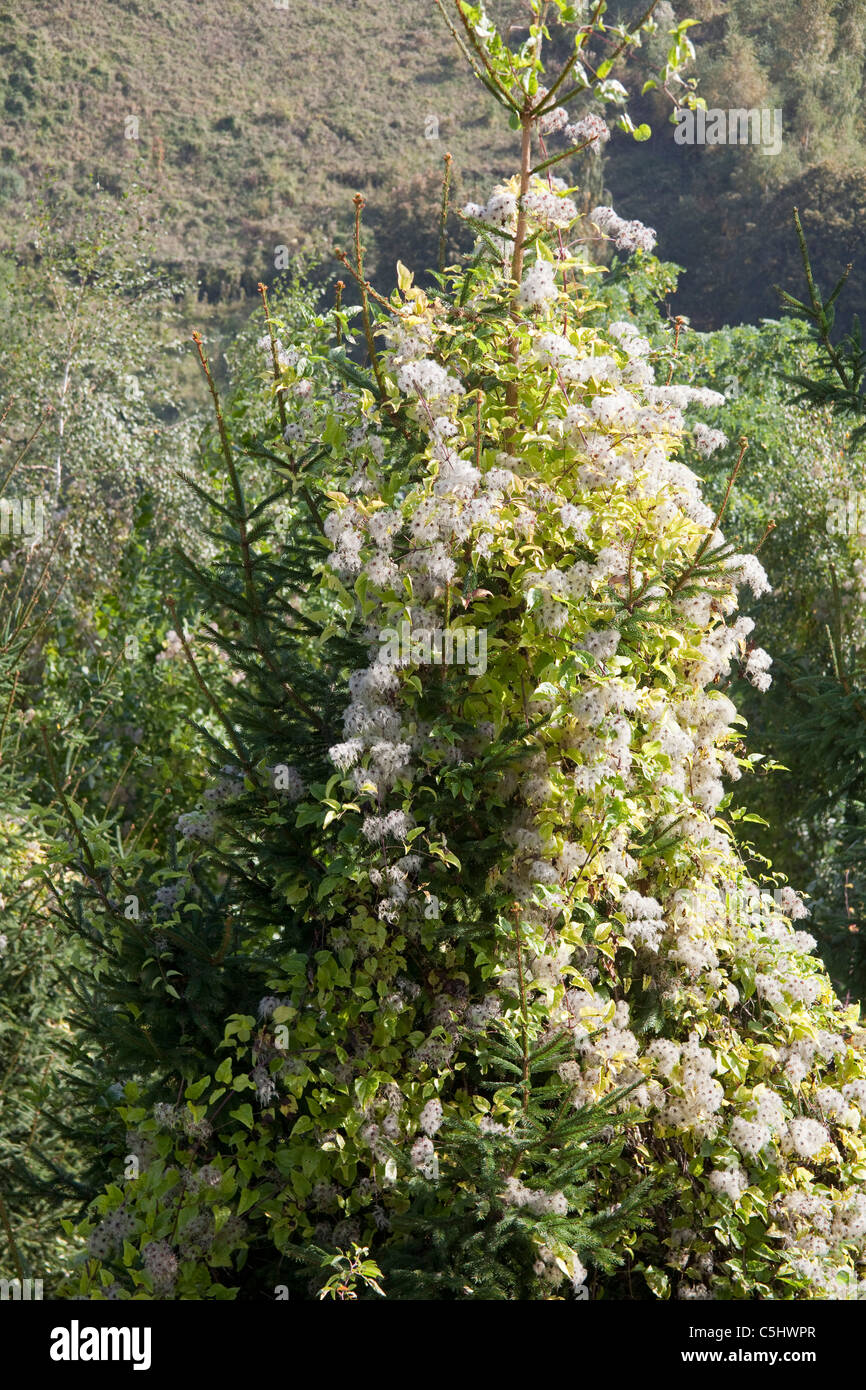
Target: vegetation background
(253,124)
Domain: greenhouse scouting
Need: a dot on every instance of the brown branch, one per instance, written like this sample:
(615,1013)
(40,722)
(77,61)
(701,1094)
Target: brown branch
(338,302)
(365,301)
(443,218)
(281,405)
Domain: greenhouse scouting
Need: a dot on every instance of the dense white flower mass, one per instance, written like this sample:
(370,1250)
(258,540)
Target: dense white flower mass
(589,130)
(807,1136)
(628,888)
(424,1158)
(427,379)
(757,668)
(729,1182)
(431,1117)
(749,1137)
(516,1194)
(197,825)
(707,441)
(538,287)
(545,202)
(625,235)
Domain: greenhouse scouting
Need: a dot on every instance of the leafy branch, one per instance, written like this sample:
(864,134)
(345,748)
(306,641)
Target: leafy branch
(838,381)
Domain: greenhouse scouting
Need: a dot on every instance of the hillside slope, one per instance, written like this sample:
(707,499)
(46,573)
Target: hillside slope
(254,123)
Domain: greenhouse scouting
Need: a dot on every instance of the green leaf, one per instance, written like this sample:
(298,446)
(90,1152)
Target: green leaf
(223,1072)
(658,1281)
(248,1199)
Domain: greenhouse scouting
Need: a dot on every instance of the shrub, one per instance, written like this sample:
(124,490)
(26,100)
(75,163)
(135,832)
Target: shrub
(467,818)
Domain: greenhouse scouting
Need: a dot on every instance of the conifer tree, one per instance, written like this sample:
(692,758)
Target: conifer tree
(468,815)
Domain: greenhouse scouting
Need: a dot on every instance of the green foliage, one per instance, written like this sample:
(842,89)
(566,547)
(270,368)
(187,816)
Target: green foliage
(350,1270)
(839,369)
(824,737)
(95,702)
(89,347)
(33,999)
(475,1229)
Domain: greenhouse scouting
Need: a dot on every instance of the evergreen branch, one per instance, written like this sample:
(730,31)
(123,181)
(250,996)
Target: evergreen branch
(241,519)
(556,158)
(211,698)
(13,1248)
(714,525)
(819,309)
